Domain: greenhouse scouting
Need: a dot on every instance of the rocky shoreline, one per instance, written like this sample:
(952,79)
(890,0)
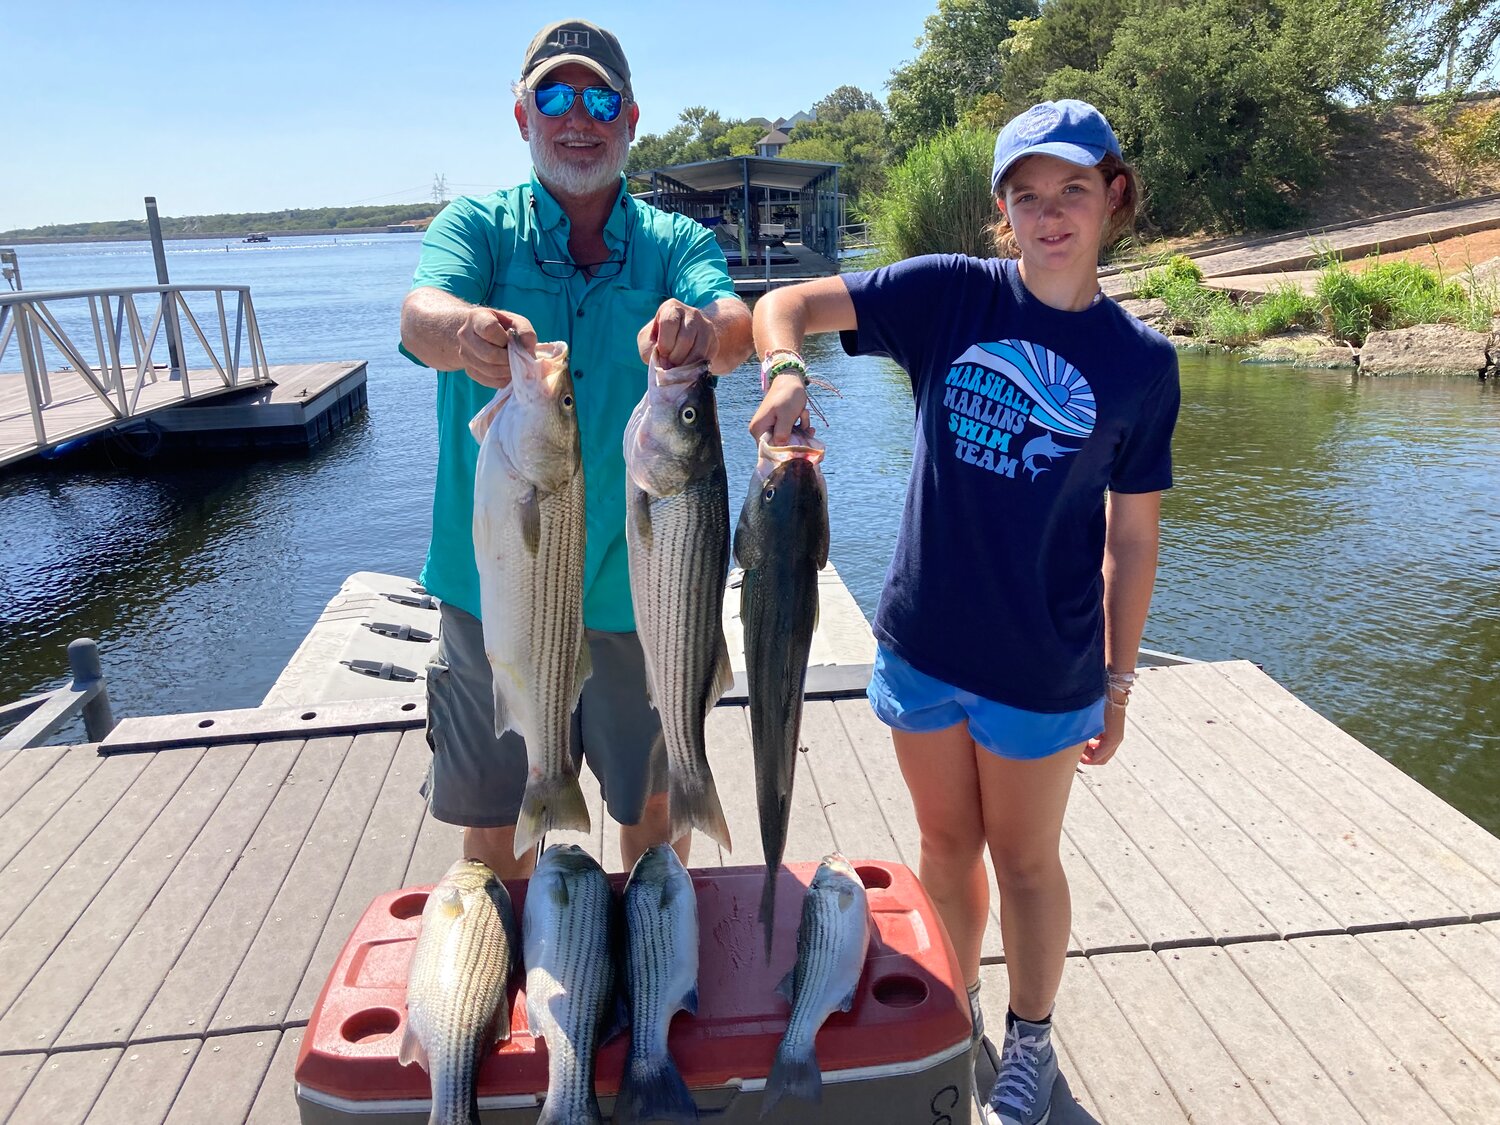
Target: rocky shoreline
(1423,349)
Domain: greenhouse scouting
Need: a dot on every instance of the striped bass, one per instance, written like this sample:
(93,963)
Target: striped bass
(455,994)
(677,533)
(781,542)
(661,923)
(831,944)
(528,545)
(570,976)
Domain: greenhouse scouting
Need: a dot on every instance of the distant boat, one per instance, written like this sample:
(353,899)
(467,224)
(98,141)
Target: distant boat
(258,237)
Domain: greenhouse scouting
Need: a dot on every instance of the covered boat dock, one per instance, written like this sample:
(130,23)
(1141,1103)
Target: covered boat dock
(776,220)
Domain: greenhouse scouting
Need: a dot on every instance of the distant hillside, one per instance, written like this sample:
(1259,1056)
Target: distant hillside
(307,219)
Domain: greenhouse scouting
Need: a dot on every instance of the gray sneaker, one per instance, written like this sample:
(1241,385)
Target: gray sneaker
(1022,1094)
(985,1060)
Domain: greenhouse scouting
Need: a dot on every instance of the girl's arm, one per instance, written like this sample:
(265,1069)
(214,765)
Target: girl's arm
(783,318)
(1131,538)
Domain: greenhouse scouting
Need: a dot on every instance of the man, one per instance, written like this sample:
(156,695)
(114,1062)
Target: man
(568,256)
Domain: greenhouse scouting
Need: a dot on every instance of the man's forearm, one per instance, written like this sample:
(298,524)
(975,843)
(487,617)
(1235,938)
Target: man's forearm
(730,320)
(430,320)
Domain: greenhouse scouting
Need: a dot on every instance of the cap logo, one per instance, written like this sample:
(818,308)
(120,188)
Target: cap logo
(578,39)
(1038,123)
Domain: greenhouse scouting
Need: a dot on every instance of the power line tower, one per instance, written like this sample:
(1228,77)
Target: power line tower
(439,189)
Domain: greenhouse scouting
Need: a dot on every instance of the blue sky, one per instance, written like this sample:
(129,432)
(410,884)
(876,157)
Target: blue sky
(259,106)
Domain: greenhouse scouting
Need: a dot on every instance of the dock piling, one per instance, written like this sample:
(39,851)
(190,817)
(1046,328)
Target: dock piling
(83,662)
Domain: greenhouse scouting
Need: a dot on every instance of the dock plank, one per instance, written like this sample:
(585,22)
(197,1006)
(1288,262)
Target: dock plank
(41,801)
(266,980)
(1254,870)
(145,1082)
(47,916)
(1076,1090)
(50,995)
(1459,890)
(20,770)
(1475,948)
(113,1006)
(1423,807)
(854,815)
(55,842)
(438,846)
(1113,1064)
(187,998)
(276,1102)
(225,1078)
(1368,1074)
(65,1087)
(1393,889)
(1288,1079)
(379,864)
(1203,1076)
(732,759)
(16,1074)
(1200,884)
(1451,1074)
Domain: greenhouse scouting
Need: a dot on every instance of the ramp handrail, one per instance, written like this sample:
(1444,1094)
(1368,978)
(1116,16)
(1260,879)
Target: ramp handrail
(123,346)
(40,715)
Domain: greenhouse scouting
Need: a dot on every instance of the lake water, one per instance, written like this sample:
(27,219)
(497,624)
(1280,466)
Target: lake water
(1344,533)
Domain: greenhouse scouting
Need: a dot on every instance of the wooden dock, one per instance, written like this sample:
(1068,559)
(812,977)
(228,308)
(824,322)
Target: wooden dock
(295,396)
(1271,923)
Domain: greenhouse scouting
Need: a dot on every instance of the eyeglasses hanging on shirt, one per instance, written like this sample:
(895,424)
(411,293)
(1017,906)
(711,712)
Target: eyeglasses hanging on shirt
(566,268)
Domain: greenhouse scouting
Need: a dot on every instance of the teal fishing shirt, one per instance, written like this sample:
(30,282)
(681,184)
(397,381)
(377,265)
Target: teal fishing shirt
(484,250)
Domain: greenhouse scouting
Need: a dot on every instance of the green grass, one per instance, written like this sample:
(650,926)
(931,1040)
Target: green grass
(1344,304)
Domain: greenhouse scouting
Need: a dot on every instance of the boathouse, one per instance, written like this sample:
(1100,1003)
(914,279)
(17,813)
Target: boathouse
(776,220)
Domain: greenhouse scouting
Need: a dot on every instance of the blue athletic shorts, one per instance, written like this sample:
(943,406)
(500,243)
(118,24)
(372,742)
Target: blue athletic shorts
(909,700)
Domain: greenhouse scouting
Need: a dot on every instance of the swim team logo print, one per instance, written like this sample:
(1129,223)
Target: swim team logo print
(994,393)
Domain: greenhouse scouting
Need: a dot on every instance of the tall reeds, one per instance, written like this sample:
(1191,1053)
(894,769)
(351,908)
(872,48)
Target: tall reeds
(937,200)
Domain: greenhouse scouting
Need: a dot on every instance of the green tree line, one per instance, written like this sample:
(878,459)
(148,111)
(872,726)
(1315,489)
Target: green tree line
(313,218)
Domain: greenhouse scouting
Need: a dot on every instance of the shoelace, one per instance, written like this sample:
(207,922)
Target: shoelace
(1018,1066)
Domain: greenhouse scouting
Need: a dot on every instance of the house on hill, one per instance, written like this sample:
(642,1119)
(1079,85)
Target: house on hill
(772,143)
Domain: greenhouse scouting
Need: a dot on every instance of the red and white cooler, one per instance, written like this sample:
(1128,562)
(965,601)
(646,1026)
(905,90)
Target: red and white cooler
(901,1055)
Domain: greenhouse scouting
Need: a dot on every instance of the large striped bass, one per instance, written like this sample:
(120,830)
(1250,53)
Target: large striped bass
(569,976)
(781,542)
(661,966)
(831,944)
(677,533)
(455,992)
(528,545)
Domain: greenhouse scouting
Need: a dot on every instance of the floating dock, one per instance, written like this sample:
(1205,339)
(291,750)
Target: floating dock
(1270,922)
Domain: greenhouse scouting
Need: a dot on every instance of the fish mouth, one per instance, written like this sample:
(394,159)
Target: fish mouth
(800,445)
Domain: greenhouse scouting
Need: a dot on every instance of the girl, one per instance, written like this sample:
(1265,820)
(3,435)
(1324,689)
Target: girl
(1015,600)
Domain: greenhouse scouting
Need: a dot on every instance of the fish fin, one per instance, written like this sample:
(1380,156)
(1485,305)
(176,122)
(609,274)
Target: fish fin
(693,802)
(583,668)
(653,1090)
(550,804)
(640,511)
(690,1001)
(848,1001)
(529,507)
(768,907)
(480,424)
(450,902)
(787,989)
(411,1050)
(794,1075)
(723,673)
(502,1021)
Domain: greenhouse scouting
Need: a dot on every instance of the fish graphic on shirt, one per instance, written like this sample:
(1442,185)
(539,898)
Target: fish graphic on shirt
(1042,447)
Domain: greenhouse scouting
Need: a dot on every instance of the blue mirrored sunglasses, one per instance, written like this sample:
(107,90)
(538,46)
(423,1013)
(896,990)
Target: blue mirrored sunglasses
(553,99)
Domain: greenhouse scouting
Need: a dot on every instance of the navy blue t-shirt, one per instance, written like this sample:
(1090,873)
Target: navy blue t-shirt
(1026,415)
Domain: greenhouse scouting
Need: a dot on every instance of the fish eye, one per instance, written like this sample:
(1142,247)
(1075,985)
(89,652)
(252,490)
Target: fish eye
(567,401)
(769,494)
(689,415)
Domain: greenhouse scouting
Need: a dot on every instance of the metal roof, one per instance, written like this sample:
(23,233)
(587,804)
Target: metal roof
(729,172)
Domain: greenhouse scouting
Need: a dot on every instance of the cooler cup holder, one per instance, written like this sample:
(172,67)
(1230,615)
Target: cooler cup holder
(900,991)
(409,905)
(370,1024)
(874,878)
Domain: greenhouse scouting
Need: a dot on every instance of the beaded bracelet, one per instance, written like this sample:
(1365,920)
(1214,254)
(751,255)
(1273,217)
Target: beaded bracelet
(1118,683)
(770,367)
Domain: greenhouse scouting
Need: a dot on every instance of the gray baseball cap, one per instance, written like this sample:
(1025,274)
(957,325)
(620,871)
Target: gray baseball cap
(578,41)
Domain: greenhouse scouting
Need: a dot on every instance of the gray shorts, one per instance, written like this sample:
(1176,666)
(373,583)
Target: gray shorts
(477,780)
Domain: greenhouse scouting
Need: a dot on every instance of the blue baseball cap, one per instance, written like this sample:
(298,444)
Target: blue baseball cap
(1068,129)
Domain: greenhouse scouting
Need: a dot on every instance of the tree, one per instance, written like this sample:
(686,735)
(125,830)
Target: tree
(959,59)
(1450,40)
(700,134)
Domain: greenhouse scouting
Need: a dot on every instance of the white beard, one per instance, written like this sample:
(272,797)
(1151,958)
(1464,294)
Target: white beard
(573,179)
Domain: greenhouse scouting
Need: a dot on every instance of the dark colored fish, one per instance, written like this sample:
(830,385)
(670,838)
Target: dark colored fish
(782,543)
(455,993)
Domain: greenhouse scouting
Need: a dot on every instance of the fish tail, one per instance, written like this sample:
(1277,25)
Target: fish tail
(694,803)
(550,803)
(792,1074)
(653,1090)
(768,907)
